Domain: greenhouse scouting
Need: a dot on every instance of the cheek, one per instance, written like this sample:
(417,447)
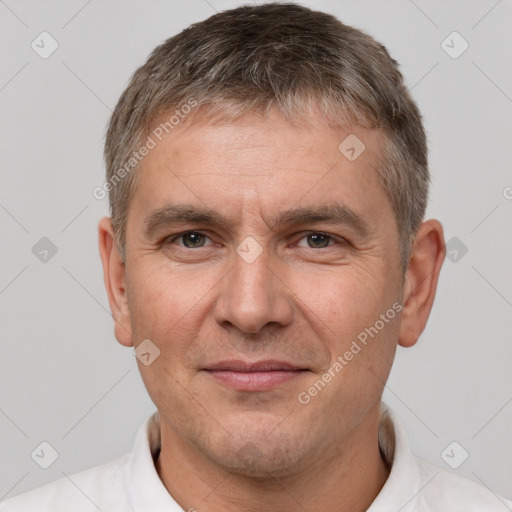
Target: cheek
(343,300)
(359,340)
(344,312)
(163,308)
(163,303)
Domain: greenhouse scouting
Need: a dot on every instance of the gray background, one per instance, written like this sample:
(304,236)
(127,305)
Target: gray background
(67,381)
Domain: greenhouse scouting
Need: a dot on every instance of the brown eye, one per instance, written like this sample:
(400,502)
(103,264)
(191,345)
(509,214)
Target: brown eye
(191,240)
(317,241)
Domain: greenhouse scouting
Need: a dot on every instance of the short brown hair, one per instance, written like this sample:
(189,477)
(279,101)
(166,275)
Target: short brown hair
(275,56)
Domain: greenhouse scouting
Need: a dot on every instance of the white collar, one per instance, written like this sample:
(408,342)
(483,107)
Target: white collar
(402,490)
(146,491)
(404,484)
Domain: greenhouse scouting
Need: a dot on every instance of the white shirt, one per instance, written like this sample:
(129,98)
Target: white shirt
(131,484)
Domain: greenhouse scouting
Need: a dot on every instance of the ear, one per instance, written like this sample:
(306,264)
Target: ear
(426,260)
(114,277)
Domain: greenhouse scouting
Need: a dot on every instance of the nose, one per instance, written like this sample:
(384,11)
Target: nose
(252,295)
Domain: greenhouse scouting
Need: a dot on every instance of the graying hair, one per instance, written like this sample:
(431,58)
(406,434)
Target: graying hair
(284,57)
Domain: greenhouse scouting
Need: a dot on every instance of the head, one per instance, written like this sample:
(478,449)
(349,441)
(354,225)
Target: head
(285,149)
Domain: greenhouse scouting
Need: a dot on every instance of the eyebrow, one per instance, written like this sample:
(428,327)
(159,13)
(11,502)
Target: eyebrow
(176,214)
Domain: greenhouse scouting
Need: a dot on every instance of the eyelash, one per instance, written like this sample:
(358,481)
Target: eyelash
(338,240)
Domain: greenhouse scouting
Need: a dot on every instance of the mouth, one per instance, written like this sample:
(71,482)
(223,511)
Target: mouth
(254,376)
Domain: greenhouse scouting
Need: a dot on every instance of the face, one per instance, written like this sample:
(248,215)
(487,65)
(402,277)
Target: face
(263,263)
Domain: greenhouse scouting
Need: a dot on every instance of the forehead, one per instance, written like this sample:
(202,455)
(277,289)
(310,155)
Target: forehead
(273,138)
(269,163)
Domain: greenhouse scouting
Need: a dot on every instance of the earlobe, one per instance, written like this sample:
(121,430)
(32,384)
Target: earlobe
(420,282)
(114,279)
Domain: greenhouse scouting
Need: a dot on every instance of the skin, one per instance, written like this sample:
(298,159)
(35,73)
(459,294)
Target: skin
(303,300)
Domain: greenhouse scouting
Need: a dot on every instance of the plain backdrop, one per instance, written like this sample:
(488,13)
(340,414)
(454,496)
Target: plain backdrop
(65,379)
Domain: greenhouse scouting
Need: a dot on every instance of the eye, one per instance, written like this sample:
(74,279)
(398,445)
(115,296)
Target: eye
(318,240)
(190,239)
(197,240)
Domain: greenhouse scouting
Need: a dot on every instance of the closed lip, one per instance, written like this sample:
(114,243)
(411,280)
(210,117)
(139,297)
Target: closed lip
(270,365)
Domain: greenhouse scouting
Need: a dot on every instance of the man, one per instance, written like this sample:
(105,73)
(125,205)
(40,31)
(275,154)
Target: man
(266,253)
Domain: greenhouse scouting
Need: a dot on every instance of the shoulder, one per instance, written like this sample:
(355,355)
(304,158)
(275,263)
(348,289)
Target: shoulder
(101,487)
(445,490)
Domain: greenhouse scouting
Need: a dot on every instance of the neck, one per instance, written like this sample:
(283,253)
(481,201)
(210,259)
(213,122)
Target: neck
(346,479)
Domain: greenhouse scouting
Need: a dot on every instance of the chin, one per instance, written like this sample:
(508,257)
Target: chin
(252,463)
(261,454)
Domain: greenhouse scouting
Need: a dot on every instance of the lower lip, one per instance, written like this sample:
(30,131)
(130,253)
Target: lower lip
(255,381)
